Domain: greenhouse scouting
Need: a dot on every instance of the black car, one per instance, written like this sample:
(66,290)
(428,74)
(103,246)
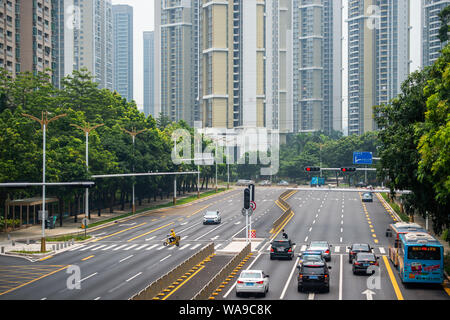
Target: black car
(358,247)
(282,248)
(313,275)
(363,261)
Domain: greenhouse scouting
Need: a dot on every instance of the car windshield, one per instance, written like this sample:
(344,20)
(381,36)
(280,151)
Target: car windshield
(314,258)
(360,247)
(365,256)
(250,275)
(211,214)
(313,269)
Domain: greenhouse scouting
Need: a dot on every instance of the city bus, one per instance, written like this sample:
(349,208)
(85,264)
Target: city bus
(420,259)
(394,231)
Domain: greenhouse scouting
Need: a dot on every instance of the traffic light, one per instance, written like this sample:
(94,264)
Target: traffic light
(312,169)
(349,169)
(252,192)
(247,198)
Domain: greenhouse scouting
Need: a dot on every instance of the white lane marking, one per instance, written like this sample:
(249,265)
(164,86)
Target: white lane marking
(88,277)
(134,276)
(185,246)
(382,251)
(130,247)
(171,248)
(311,296)
(342,230)
(306,239)
(340,276)
(210,231)
(337,249)
(342,222)
(314,221)
(160,248)
(120,247)
(141,247)
(44,299)
(151,238)
(218,246)
(125,258)
(87,248)
(98,298)
(239,222)
(289,279)
(310,229)
(107,248)
(99,247)
(340,240)
(347,250)
(151,247)
(165,258)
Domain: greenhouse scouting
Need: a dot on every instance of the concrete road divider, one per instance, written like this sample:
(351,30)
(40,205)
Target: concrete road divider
(166,280)
(211,286)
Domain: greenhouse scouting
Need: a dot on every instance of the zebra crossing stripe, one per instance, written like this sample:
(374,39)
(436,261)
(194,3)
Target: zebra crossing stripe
(337,249)
(87,248)
(99,247)
(130,247)
(143,246)
(78,247)
(303,248)
(119,247)
(382,251)
(107,248)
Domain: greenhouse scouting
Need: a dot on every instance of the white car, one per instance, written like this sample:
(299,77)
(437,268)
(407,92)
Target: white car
(212,217)
(252,281)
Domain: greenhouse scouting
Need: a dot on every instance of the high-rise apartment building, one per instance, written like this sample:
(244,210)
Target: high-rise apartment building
(83,30)
(149,74)
(317,65)
(279,65)
(177,59)
(431,23)
(233,63)
(378,57)
(26,36)
(9,36)
(123,50)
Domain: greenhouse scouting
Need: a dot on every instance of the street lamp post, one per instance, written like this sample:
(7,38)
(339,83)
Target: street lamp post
(44,121)
(133,133)
(87,130)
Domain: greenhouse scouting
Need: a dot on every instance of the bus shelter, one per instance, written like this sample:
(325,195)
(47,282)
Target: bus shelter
(20,207)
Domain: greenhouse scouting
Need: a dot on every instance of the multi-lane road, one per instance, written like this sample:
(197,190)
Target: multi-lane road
(126,257)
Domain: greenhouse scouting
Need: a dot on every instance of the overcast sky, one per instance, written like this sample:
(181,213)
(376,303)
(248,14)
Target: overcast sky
(144,21)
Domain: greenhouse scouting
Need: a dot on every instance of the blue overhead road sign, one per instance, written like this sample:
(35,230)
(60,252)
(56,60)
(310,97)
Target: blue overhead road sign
(362,157)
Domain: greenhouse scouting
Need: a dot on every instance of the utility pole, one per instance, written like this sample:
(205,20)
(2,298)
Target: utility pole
(44,122)
(133,133)
(87,130)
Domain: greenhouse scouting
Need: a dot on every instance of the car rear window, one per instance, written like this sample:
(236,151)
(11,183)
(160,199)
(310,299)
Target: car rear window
(250,275)
(365,256)
(313,269)
(284,244)
(361,247)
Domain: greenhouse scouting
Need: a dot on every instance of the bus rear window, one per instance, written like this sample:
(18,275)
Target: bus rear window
(424,253)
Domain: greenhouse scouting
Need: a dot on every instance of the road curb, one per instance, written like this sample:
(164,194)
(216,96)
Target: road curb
(392,211)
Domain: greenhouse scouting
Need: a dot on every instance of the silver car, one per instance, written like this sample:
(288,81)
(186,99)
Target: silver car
(322,246)
(252,281)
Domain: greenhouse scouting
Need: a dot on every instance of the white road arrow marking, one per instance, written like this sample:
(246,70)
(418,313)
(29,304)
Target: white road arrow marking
(368,294)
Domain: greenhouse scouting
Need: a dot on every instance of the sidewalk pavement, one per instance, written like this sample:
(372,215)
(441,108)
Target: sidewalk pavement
(69,226)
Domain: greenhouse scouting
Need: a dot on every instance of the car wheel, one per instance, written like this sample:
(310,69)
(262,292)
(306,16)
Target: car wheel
(238,294)
(326,289)
(299,288)
(271,258)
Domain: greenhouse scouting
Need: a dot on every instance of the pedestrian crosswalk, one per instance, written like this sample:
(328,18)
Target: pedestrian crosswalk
(137,247)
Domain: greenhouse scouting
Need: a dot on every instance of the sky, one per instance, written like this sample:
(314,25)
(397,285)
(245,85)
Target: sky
(144,21)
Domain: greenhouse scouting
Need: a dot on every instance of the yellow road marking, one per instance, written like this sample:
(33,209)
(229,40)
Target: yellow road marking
(144,234)
(48,257)
(198,211)
(87,258)
(446,286)
(116,233)
(183,283)
(283,224)
(393,281)
(27,283)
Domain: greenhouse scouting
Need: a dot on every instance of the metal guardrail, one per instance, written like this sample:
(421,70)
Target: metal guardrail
(163,282)
(209,288)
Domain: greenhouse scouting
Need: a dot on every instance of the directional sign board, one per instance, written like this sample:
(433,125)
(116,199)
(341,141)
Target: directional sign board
(362,158)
